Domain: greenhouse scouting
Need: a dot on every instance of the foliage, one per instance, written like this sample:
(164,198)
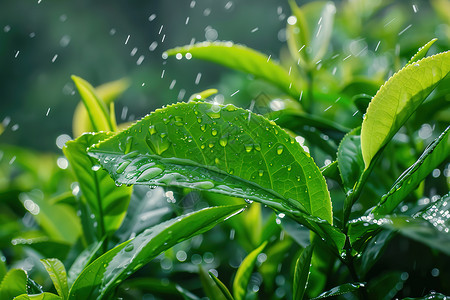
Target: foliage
(314,191)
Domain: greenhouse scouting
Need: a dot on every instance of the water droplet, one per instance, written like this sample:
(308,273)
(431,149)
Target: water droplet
(211,145)
(230,107)
(280,149)
(129,248)
(149,174)
(248,201)
(158,143)
(204,185)
(248,148)
(202,146)
(257,147)
(178,121)
(152,129)
(122,167)
(289,168)
(217,161)
(214,132)
(199,120)
(203,128)
(260,173)
(128,144)
(223,140)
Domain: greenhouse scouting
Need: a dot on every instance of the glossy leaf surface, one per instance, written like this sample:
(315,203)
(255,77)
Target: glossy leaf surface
(220,149)
(301,273)
(397,99)
(110,269)
(58,274)
(437,152)
(340,290)
(107,201)
(243,59)
(244,272)
(349,157)
(211,289)
(222,287)
(422,52)
(13,284)
(43,296)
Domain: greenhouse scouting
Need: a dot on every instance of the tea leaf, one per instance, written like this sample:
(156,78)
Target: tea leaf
(349,158)
(340,290)
(222,287)
(244,272)
(220,149)
(57,273)
(301,273)
(397,99)
(243,59)
(211,289)
(437,152)
(13,284)
(42,296)
(107,201)
(422,52)
(110,269)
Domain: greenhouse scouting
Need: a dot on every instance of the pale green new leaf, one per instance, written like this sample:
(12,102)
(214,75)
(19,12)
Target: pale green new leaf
(96,108)
(107,201)
(109,270)
(244,272)
(421,52)
(437,152)
(243,59)
(58,274)
(220,149)
(301,273)
(397,99)
(13,284)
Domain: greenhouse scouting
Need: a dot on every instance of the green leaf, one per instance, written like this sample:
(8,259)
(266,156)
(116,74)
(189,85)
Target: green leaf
(301,273)
(211,289)
(42,296)
(322,33)
(84,259)
(431,296)
(186,294)
(222,287)
(243,59)
(110,269)
(422,52)
(13,284)
(57,273)
(3,269)
(220,149)
(340,290)
(437,152)
(298,35)
(349,157)
(107,92)
(386,286)
(96,108)
(203,95)
(244,272)
(397,99)
(107,202)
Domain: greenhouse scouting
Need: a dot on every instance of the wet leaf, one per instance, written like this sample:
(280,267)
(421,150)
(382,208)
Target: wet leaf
(437,152)
(422,52)
(13,284)
(220,149)
(95,107)
(83,259)
(110,269)
(43,296)
(203,95)
(244,272)
(301,273)
(57,273)
(340,290)
(211,289)
(349,158)
(386,286)
(397,99)
(222,287)
(107,202)
(243,59)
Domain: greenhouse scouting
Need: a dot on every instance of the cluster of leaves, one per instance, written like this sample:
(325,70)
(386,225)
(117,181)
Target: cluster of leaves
(309,232)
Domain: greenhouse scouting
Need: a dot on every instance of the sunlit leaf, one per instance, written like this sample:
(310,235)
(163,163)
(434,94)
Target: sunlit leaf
(220,149)
(437,152)
(42,296)
(95,107)
(107,201)
(58,274)
(243,59)
(244,272)
(422,52)
(340,290)
(110,269)
(301,273)
(397,99)
(203,95)
(13,284)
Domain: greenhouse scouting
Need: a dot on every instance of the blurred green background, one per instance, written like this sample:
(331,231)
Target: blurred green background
(43,42)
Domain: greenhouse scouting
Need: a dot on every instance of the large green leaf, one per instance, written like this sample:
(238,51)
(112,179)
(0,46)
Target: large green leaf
(107,92)
(397,99)
(107,201)
(244,272)
(243,59)
(437,152)
(110,269)
(58,274)
(301,273)
(13,284)
(220,149)
(349,158)
(96,108)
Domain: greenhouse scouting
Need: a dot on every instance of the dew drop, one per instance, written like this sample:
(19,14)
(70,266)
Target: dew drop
(204,185)
(149,174)
(248,148)
(217,161)
(214,132)
(129,248)
(223,141)
(128,144)
(279,150)
(203,128)
(260,173)
(122,167)
(257,147)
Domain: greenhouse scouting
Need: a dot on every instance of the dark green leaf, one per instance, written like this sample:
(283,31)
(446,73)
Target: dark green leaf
(107,201)
(109,270)
(431,296)
(219,149)
(340,290)
(437,152)
(57,273)
(13,284)
(301,273)
(222,287)
(243,59)
(386,286)
(350,161)
(211,289)
(397,99)
(186,294)
(244,272)
(421,52)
